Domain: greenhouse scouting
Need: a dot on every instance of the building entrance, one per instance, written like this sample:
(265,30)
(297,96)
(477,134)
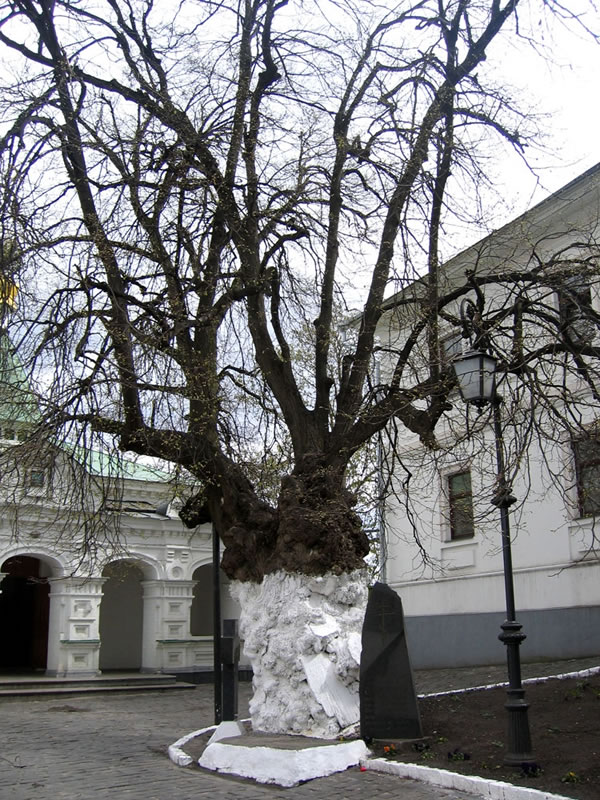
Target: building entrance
(121,617)
(24,611)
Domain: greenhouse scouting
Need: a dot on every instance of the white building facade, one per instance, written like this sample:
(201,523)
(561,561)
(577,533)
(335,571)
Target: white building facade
(84,588)
(443,551)
(146,607)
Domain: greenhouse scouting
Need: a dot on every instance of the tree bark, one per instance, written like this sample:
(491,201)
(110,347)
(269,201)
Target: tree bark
(313,530)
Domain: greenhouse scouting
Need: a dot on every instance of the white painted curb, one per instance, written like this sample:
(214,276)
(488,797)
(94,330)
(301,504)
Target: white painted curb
(583,673)
(177,755)
(490,790)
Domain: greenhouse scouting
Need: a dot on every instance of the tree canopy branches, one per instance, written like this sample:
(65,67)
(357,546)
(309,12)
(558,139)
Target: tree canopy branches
(194,200)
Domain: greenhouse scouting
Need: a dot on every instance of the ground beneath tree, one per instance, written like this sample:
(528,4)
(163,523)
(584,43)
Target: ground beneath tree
(466,732)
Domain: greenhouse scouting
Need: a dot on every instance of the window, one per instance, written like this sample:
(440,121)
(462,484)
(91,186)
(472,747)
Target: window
(460,501)
(587,472)
(37,478)
(574,304)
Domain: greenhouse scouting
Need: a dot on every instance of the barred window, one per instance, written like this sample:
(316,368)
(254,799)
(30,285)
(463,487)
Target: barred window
(574,304)
(587,470)
(460,501)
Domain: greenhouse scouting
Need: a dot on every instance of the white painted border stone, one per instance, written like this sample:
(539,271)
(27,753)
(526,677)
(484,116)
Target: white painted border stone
(226,730)
(582,673)
(177,755)
(482,787)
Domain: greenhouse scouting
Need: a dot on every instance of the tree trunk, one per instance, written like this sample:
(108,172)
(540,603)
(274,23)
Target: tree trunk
(298,574)
(313,531)
(302,635)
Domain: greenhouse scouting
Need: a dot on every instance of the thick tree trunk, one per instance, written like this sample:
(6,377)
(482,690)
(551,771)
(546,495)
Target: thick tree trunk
(299,576)
(302,635)
(313,531)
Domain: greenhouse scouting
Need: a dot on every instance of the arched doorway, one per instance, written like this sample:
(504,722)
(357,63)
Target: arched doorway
(121,617)
(24,612)
(201,612)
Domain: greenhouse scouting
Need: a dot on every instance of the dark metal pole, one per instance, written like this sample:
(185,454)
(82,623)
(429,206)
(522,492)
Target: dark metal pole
(218,677)
(519,750)
(230,653)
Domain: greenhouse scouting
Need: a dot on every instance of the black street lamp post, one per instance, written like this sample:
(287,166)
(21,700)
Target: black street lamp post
(518,751)
(217,667)
(475,373)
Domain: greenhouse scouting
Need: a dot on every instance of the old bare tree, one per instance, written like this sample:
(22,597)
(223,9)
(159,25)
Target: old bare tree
(195,192)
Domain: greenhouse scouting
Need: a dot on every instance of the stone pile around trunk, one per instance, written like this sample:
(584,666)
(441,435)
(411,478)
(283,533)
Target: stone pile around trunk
(302,636)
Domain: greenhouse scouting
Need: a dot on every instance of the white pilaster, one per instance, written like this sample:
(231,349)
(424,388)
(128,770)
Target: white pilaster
(166,634)
(73,635)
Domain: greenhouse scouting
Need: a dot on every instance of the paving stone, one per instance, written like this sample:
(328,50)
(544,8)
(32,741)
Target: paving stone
(115,746)
(104,747)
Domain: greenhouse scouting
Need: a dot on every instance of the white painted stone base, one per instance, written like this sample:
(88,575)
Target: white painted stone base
(302,636)
(282,767)
(226,730)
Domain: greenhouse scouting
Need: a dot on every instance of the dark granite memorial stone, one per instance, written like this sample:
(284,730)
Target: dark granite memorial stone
(388,702)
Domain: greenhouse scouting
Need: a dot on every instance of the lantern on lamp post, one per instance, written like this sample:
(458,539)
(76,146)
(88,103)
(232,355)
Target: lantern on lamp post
(476,376)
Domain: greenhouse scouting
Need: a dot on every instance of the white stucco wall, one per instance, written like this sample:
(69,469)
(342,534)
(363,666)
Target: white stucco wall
(556,556)
(101,622)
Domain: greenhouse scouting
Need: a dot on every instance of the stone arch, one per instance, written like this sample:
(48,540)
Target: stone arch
(150,567)
(122,613)
(55,566)
(25,608)
(204,561)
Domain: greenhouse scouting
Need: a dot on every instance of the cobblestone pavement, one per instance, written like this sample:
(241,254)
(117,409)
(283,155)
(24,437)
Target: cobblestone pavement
(114,746)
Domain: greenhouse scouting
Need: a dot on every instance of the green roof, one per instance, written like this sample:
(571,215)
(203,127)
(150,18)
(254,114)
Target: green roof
(111,465)
(18,403)
(19,407)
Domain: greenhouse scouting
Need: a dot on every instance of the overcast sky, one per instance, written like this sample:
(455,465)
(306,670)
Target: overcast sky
(565,84)
(561,84)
